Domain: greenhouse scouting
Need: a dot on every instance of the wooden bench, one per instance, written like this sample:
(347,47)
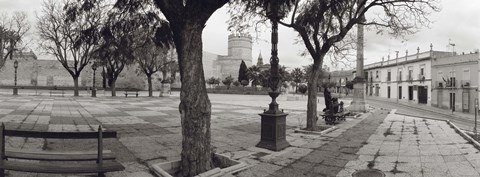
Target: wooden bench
(104,159)
(136,92)
(57,92)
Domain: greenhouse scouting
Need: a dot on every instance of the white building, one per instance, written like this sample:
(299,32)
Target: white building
(406,78)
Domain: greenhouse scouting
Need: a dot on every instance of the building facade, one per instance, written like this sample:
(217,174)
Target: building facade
(406,78)
(455,82)
(340,79)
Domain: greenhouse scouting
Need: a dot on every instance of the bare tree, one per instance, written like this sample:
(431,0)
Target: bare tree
(323,25)
(151,59)
(70,33)
(118,43)
(13,30)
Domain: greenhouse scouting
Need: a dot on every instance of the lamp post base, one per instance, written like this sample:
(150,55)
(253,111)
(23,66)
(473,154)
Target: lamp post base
(94,92)
(273,129)
(15,91)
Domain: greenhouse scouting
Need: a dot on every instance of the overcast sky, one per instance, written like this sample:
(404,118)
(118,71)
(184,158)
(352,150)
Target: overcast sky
(458,21)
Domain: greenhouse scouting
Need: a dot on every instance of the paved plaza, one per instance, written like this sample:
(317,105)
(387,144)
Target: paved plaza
(149,132)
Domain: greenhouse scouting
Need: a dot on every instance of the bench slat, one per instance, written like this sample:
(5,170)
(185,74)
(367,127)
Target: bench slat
(59,135)
(59,156)
(107,166)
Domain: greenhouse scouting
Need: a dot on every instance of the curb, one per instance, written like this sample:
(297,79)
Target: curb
(328,130)
(464,135)
(407,105)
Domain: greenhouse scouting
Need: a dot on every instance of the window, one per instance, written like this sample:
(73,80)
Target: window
(422,70)
(389,76)
(376,72)
(466,74)
(410,73)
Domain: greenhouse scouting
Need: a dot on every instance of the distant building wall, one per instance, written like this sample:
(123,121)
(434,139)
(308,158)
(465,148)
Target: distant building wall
(455,82)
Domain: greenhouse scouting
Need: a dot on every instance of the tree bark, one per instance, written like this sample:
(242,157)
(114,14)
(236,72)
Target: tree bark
(195,107)
(112,87)
(150,90)
(75,86)
(312,95)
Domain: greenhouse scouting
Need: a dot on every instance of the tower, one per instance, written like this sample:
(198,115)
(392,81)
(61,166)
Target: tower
(239,48)
(260,59)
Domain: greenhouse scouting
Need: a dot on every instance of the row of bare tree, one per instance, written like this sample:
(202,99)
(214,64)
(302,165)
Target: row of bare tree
(79,33)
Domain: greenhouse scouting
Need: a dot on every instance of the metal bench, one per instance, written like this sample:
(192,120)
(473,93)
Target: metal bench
(126,93)
(104,159)
(57,92)
(332,118)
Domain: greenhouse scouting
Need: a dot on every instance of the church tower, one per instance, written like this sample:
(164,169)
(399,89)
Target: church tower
(260,59)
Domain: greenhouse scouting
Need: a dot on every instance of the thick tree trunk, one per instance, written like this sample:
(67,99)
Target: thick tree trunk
(75,86)
(312,95)
(195,107)
(150,90)
(112,87)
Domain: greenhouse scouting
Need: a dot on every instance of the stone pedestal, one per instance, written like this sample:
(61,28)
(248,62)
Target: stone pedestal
(358,102)
(273,127)
(15,91)
(94,92)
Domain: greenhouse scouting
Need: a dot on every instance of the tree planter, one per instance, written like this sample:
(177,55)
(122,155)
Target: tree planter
(226,166)
(320,132)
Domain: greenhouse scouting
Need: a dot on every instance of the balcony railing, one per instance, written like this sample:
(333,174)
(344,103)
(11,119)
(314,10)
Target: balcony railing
(410,78)
(421,78)
(439,84)
(451,83)
(465,83)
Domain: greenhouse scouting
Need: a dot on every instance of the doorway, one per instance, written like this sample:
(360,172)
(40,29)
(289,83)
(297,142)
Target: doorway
(410,92)
(399,92)
(422,95)
(388,92)
(452,101)
(465,102)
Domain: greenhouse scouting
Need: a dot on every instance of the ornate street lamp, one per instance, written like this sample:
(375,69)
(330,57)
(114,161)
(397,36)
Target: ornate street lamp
(15,89)
(94,89)
(273,121)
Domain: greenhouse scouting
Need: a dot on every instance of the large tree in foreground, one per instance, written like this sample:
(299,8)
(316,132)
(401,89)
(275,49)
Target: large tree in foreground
(324,25)
(70,34)
(187,20)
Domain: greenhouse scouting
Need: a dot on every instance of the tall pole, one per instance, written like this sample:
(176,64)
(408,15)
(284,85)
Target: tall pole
(358,102)
(273,121)
(94,89)
(15,89)
(398,76)
(475,127)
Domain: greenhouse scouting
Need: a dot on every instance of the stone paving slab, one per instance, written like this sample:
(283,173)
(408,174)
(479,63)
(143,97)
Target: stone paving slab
(148,128)
(410,146)
(149,132)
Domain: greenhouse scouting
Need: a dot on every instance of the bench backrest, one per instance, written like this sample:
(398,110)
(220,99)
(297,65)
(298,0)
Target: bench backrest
(58,135)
